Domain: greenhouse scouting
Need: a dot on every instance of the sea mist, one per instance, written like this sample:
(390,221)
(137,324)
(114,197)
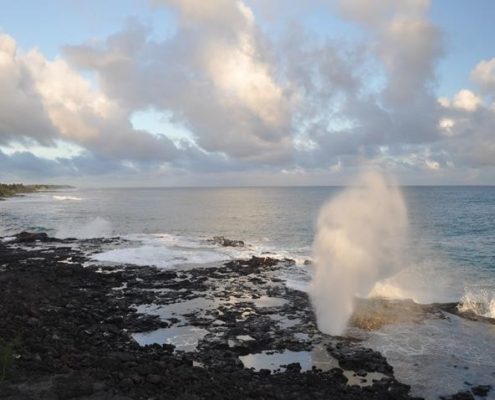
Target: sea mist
(359,241)
(96,228)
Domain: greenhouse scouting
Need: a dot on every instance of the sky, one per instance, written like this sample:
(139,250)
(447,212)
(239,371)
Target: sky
(246,92)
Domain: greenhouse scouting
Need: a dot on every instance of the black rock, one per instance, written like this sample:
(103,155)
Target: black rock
(153,379)
(222,241)
(459,396)
(30,237)
(75,333)
(293,367)
(481,390)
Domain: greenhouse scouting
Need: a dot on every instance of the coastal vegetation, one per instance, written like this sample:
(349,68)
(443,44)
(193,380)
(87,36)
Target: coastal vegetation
(7,349)
(13,189)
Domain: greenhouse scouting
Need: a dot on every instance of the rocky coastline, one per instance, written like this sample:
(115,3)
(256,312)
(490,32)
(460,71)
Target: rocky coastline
(16,189)
(77,330)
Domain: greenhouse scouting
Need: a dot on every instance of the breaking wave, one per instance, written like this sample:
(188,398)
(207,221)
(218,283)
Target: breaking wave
(167,250)
(478,301)
(67,198)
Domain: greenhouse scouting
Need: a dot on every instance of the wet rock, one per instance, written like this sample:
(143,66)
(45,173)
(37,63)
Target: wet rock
(223,241)
(360,359)
(481,390)
(459,396)
(30,237)
(293,367)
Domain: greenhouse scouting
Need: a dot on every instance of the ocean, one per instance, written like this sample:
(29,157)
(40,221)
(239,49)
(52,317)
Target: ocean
(451,237)
(449,256)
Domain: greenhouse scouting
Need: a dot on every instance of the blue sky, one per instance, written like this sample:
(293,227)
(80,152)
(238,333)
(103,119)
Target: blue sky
(278,135)
(52,24)
(468,28)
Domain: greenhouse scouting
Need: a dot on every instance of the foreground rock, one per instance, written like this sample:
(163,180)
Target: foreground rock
(72,330)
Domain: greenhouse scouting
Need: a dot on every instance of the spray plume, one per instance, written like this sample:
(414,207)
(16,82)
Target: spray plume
(359,239)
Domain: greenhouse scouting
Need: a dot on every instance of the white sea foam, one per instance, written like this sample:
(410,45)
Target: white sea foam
(359,240)
(298,277)
(160,256)
(96,228)
(429,281)
(67,198)
(437,280)
(436,357)
(480,301)
(167,250)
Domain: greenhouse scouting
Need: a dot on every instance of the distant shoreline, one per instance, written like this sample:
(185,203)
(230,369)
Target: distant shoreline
(14,189)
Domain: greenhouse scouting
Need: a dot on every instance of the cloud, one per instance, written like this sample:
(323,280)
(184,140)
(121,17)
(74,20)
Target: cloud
(252,99)
(357,98)
(22,114)
(408,47)
(468,129)
(26,165)
(31,167)
(484,76)
(466,100)
(213,75)
(244,95)
(45,100)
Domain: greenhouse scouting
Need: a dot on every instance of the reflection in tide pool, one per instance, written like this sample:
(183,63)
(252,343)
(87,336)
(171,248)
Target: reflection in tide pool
(274,361)
(184,338)
(318,358)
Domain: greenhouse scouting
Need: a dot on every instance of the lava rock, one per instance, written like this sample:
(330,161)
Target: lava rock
(481,390)
(223,241)
(459,396)
(30,237)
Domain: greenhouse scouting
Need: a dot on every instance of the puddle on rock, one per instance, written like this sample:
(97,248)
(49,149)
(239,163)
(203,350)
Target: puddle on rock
(302,336)
(284,322)
(184,338)
(177,310)
(274,361)
(239,339)
(355,380)
(317,358)
(266,301)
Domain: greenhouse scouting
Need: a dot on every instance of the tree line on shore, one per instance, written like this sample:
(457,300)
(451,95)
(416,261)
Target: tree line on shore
(12,189)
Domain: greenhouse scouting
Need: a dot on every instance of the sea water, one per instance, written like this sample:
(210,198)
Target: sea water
(449,257)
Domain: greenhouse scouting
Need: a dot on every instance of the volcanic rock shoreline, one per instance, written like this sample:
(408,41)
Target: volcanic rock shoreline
(72,325)
(17,189)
